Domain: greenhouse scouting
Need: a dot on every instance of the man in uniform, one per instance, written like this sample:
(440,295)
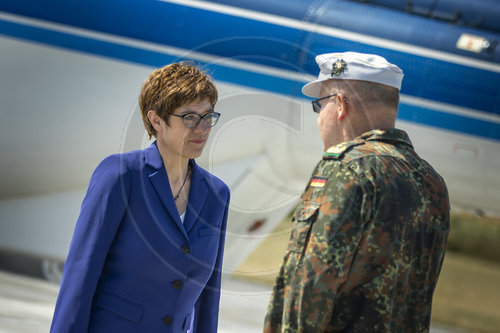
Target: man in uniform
(369,235)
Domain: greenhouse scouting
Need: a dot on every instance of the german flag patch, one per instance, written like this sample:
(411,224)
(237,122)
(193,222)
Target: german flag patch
(318,182)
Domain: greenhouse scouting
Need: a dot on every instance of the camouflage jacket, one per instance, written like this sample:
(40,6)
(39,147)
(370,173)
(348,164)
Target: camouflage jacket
(367,243)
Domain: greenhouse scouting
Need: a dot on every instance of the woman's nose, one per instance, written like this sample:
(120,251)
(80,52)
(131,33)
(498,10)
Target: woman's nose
(201,127)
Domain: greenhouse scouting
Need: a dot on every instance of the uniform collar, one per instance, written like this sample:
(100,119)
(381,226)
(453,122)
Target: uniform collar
(393,135)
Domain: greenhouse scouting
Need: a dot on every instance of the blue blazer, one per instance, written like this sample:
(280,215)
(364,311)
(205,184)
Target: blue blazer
(133,266)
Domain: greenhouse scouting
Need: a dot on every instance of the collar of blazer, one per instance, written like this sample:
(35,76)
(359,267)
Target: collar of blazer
(159,178)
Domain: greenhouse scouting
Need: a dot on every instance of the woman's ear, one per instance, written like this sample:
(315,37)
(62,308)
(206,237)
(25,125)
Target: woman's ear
(154,119)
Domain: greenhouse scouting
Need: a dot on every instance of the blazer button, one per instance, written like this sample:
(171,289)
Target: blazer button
(185,249)
(167,320)
(177,284)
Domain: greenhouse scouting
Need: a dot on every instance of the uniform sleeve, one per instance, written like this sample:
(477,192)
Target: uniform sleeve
(326,235)
(101,213)
(207,306)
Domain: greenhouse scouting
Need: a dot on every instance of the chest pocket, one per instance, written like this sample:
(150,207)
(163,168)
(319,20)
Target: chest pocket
(303,217)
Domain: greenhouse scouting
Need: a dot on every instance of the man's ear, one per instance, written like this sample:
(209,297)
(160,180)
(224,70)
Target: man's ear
(343,106)
(154,119)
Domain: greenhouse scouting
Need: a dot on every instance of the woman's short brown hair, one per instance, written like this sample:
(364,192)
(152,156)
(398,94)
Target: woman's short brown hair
(172,86)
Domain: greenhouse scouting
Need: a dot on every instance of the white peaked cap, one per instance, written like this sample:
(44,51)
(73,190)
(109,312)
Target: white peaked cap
(354,66)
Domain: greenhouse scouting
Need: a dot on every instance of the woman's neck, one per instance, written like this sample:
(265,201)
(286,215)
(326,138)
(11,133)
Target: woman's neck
(175,165)
(176,168)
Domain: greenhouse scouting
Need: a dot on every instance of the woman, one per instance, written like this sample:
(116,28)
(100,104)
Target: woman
(146,253)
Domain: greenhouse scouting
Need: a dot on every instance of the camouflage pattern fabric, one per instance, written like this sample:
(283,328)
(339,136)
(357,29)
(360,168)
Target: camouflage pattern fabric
(367,243)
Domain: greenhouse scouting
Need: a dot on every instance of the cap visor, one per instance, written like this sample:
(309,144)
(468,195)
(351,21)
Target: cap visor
(312,89)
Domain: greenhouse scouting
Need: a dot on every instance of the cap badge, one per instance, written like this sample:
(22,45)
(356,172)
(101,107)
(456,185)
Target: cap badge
(338,67)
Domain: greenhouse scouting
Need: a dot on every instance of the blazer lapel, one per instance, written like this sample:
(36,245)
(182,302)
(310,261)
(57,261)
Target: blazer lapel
(197,195)
(159,179)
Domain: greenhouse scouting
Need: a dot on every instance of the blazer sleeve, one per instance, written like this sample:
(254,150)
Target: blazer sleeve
(207,306)
(102,210)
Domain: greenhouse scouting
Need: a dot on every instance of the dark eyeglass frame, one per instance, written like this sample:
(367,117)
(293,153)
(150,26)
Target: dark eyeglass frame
(317,105)
(207,118)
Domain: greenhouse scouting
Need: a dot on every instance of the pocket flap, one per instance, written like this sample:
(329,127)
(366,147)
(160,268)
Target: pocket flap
(120,306)
(302,221)
(207,231)
(305,211)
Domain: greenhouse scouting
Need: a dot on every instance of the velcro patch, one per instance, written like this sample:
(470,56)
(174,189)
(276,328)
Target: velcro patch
(318,182)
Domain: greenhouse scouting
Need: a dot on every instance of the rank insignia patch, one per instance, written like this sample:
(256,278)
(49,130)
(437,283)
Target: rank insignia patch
(318,182)
(338,67)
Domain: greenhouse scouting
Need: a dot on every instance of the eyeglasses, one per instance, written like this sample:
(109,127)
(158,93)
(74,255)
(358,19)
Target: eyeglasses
(191,120)
(317,105)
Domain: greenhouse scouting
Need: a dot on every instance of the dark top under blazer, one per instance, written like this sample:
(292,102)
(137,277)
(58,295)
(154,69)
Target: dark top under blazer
(133,266)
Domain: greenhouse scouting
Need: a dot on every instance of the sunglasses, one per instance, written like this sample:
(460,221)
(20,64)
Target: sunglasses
(317,105)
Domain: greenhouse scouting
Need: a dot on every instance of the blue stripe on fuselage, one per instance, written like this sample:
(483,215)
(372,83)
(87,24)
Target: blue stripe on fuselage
(269,44)
(458,123)
(449,121)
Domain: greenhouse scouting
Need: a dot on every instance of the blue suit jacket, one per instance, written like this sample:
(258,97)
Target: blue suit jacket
(133,266)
